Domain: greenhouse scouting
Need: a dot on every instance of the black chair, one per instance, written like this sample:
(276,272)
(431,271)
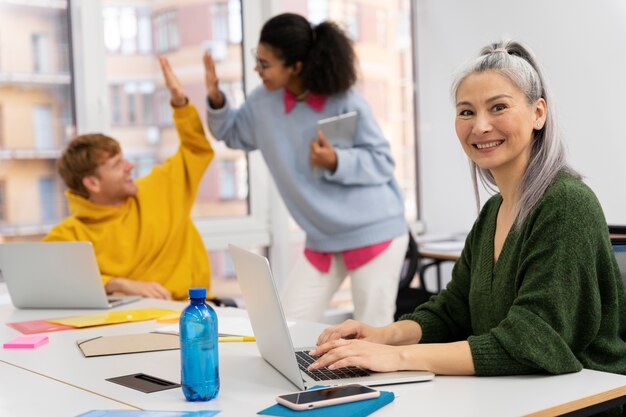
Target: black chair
(619,248)
(223,302)
(618,240)
(615,229)
(408,297)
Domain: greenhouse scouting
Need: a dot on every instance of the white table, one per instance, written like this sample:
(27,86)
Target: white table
(27,394)
(249,384)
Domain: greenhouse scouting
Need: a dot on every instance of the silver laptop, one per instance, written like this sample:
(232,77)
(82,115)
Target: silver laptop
(273,338)
(55,275)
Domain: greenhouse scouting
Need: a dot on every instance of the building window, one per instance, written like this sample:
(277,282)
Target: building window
(235,33)
(226,21)
(219,20)
(43,125)
(127,30)
(47,199)
(146,98)
(147,108)
(144,33)
(144,164)
(227,179)
(132,104)
(41,53)
(166,36)
(116,103)
(163,107)
(131,111)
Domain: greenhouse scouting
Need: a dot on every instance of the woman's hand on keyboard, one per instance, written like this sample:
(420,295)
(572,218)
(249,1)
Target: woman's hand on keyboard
(340,353)
(351,329)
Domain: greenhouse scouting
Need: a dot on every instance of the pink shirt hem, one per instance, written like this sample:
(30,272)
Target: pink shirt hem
(352,258)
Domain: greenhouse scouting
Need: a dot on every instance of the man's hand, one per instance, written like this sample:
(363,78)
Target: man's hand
(212,82)
(177,93)
(132,287)
(322,153)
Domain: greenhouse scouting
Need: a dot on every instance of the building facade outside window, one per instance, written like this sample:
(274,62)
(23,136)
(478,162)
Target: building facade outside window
(36,118)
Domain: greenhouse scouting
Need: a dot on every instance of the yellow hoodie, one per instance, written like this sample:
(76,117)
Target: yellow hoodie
(151,236)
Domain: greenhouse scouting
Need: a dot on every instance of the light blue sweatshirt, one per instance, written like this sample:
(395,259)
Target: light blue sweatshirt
(357,205)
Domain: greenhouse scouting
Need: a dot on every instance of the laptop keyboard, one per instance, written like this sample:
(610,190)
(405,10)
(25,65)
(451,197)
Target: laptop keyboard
(325,374)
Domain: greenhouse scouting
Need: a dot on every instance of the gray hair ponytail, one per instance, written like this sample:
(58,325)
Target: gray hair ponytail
(547,157)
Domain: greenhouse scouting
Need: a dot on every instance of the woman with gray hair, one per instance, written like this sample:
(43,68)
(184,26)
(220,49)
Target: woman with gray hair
(537,288)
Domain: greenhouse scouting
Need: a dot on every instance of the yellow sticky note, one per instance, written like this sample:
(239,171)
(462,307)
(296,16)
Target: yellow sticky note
(113,317)
(170,318)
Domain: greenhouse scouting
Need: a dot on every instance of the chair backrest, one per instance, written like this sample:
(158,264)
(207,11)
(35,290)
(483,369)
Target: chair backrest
(409,298)
(619,248)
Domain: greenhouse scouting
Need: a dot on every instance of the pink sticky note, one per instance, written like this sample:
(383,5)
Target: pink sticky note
(38,326)
(26,342)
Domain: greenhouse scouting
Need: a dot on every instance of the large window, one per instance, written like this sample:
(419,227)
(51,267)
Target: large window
(36,117)
(140,112)
(119,90)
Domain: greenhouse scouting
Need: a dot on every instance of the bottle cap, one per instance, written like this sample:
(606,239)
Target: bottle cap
(197,292)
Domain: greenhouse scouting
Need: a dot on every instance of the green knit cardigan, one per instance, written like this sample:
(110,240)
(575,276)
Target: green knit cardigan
(554,301)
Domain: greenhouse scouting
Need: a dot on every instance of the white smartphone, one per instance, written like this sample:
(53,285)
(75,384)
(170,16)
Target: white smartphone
(322,397)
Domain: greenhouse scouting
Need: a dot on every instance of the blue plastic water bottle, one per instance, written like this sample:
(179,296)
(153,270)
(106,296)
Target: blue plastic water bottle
(199,371)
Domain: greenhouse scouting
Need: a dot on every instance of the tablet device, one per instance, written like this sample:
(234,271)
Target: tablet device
(339,130)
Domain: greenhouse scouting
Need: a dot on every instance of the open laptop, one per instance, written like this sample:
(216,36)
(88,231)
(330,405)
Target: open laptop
(273,338)
(55,275)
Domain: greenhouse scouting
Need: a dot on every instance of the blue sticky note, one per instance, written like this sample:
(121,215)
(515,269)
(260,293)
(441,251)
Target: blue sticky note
(140,413)
(354,409)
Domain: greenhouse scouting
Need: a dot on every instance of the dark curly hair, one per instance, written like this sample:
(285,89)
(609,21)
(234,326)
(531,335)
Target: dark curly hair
(326,53)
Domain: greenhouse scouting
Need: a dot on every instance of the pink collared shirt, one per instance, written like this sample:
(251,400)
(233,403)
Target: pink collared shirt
(352,258)
(316,101)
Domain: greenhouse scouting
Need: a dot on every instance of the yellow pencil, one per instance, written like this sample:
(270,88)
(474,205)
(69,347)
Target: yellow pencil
(236,339)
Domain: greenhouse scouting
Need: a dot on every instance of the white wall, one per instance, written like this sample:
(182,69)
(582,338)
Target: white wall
(582,47)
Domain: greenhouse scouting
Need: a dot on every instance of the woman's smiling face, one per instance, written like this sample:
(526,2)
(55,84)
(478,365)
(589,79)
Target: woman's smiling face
(495,122)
